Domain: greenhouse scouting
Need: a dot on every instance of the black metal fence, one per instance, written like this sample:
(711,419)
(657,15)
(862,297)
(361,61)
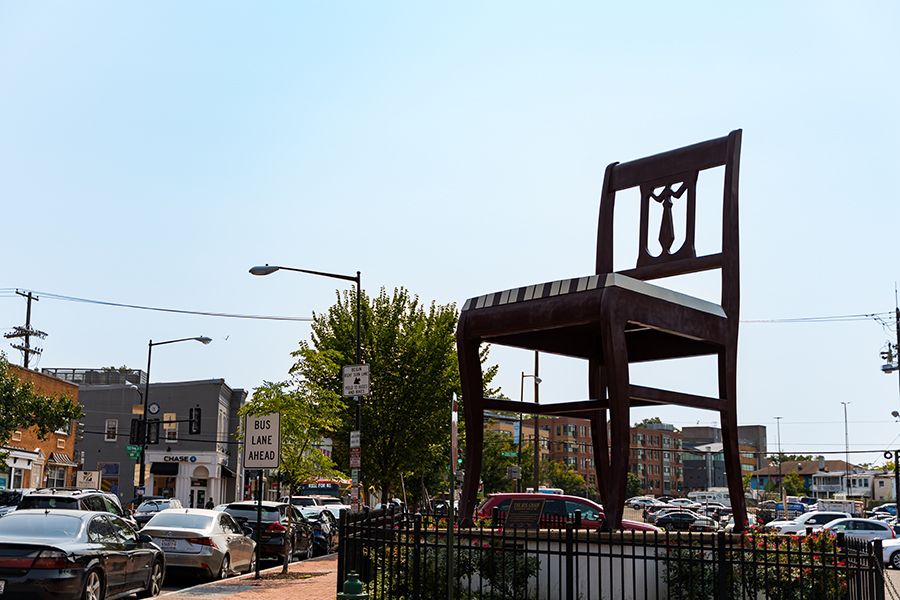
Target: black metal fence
(401,556)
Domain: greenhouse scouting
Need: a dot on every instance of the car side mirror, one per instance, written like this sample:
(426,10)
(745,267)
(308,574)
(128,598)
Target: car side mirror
(145,538)
(248,531)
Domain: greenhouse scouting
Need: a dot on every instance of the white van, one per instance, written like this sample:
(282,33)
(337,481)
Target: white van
(721,497)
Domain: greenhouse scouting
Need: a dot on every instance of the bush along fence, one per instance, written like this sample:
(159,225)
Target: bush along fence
(402,556)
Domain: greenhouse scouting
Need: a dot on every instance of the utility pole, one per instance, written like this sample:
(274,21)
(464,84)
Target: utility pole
(26,332)
(846,449)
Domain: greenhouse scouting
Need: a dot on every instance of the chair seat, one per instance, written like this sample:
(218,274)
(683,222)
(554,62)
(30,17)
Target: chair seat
(590,282)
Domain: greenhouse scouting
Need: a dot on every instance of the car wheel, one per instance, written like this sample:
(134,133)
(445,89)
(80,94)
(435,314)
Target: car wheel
(252,566)
(154,586)
(670,527)
(310,549)
(226,567)
(93,586)
(895,559)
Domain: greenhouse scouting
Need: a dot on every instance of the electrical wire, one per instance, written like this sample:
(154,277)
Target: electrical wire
(4,292)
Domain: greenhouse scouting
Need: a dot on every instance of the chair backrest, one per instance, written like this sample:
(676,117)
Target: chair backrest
(672,177)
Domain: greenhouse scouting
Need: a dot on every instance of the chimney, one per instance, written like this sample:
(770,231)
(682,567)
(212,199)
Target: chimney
(822,463)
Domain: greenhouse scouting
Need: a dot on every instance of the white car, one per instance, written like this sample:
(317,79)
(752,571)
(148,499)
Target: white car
(640,501)
(799,525)
(729,527)
(685,502)
(865,529)
(890,551)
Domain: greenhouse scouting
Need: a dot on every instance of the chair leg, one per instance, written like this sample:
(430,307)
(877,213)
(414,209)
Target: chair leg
(599,435)
(728,417)
(619,387)
(473,400)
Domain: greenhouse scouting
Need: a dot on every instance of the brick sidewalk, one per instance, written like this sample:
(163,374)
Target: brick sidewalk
(314,579)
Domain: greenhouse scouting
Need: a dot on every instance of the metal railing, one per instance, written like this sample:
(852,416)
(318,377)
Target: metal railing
(404,556)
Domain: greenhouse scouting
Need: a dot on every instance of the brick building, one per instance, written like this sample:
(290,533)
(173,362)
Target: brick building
(32,462)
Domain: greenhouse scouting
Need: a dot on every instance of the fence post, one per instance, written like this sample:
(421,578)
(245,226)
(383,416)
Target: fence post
(342,547)
(720,562)
(875,558)
(570,563)
(417,557)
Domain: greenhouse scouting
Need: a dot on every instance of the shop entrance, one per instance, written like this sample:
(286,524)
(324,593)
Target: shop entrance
(198,495)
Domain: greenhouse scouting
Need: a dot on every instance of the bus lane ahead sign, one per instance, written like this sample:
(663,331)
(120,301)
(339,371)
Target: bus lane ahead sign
(262,441)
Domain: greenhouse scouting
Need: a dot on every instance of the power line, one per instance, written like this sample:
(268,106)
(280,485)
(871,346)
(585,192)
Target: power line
(5,292)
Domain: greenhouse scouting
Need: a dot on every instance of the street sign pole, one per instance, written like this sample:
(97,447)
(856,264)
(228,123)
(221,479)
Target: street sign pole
(356,384)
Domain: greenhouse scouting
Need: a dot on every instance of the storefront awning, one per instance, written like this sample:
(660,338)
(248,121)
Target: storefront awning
(61,459)
(226,472)
(164,468)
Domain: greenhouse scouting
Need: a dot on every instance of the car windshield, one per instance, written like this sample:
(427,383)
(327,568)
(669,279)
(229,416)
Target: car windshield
(249,513)
(148,507)
(181,520)
(41,525)
(36,501)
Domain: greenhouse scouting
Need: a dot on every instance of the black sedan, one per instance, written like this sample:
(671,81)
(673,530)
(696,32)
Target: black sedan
(285,532)
(62,554)
(680,520)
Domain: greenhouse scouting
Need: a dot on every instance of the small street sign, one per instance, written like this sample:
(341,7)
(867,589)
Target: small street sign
(354,439)
(509,454)
(354,458)
(262,442)
(356,380)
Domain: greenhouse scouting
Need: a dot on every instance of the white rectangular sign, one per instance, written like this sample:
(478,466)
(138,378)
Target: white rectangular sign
(88,480)
(356,380)
(262,441)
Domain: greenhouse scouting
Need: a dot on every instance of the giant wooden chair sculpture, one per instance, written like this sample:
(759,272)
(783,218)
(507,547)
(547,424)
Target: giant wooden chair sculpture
(613,319)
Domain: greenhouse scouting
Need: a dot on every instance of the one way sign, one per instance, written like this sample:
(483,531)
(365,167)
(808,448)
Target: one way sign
(356,380)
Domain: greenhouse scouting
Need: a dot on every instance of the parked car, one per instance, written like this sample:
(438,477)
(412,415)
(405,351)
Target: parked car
(685,503)
(557,506)
(640,501)
(325,528)
(729,526)
(678,520)
(206,541)
(866,529)
(654,517)
(282,536)
(75,554)
(148,509)
(301,501)
(798,525)
(704,524)
(75,499)
(890,552)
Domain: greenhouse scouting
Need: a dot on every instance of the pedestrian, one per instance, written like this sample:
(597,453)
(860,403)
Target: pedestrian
(210,503)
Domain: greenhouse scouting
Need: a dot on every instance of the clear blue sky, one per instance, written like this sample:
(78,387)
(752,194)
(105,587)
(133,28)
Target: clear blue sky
(151,153)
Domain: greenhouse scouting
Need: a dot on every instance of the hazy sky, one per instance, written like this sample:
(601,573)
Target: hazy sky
(152,152)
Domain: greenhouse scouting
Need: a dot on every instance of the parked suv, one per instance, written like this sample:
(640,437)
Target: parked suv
(148,509)
(558,506)
(281,535)
(76,499)
(301,501)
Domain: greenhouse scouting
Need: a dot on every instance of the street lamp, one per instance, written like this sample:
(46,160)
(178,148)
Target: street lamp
(846,450)
(145,398)
(781,460)
(269,269)
(537,381)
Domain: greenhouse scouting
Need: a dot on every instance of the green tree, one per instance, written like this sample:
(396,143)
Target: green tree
(647,422)
(633,486)
(776,459)
(493,465)
(21,407)
(793,485)
(410,350)
(305,419)
(561,475)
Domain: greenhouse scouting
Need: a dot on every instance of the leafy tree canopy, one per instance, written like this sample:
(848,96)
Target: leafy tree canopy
(793,485)
(647,422)
(21,407)
(633,486)
(776,459)
(305,419)
(411,353)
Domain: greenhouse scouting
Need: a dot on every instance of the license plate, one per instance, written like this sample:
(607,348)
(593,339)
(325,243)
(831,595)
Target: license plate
(167,544)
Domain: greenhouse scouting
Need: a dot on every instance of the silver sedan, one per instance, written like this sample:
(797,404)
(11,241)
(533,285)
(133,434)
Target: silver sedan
(207,541)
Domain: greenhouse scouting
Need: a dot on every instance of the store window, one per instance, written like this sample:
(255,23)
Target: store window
(112,427)
(56,476)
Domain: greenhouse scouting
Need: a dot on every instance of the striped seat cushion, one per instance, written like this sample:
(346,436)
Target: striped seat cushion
(583,284)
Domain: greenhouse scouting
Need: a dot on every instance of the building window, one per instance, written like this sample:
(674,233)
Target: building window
(60,443)
(880,484)
(56,476)
(17,436)
(112,426)
(170,427)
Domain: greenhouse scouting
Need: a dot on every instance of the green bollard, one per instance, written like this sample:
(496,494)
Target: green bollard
(353,588)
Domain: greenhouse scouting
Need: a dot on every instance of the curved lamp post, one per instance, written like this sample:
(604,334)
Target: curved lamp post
(145,398)
(269,269)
